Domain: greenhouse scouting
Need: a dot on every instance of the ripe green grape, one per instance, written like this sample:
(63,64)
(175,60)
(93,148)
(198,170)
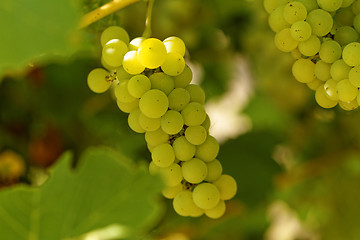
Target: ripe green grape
(300,31)
(206,124)
(284,41)
(314,84)
(322,99)
(163,155)
(227,186)
(321,22)
(152,53)
(344,17)
(133,121)
(107,66)
(309,4)
(295,11)
(193,114)
(163,82)
(356,22)
(127,107)
(131,64)
(178,99)
(114,32)
(348,106)
(174,64)
(154,169)
(216,212)
(194,171)
(310,47)
(172,122)
(97,80)
(184,150)
(276,19)
(114,51)
(330,5)
(330,51)
(304,70)
(351,53)
(339,70)
(354,76)
(346,3)
(149,124)
(175,44)
(156,137)
(355,7)
(154,103)
(322,70)
(214,170)
(206,195)
(138,85)
(196,92)
(196,135)
(182,80)
(121,74)
(208,150)
(346,92)
(122,93)
(184,205)
(330,89)
(135,43)
(172,175)
(345,35)
(171,192)
(270,5)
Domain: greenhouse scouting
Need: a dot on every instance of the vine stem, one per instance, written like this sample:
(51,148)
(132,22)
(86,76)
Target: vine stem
(104,10)
(147,32)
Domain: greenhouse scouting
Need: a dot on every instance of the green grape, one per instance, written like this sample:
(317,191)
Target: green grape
(172,175)
(296,54)
(349,106)
(284,41)
(310,47)
(114,32)
(216,212)
(214,170)
(345,35)
(97,80)
(184,205)
(151,53)
(300,31)
(344,17)
(330,5)
(322,99)
(346,3)
(131,64)
(295,11)
(178,99)
(351,53)
(174,64)
(127,107)
(304,70)
(162,82)
(206,195)
(154,103)
(135,43)
(184,150)
(114,51)
(196,135)
(354,76)
(206,124)
(309,4)
(172,122)
(355,7)
(194,171)
(227,186)
(175,44)
(122,94)
(163,155)
(322,70)
(149,124)
(330,51)
(153,169)
(346,91)
(321,22)
(330,89)
(339,70)
(138,85)
(271,5)
(107,66)
(171,192)
(314,84)
(156,137)
(133,121)
(276,19)
(358,98)
(356,23)
(196,92)
(208,150)
(193,114)
(182,80)
(121,74)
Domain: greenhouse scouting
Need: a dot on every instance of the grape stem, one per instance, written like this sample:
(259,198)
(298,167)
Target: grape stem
(147,32)
(104,10)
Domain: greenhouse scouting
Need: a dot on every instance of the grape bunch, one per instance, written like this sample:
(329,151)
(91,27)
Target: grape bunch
(153,85)
(323,37)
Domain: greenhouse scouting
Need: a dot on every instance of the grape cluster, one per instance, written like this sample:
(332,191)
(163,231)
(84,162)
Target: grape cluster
(323,37)
(154,88)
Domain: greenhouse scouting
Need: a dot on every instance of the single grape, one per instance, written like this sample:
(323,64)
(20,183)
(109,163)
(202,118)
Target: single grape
(284,41)
(227,186)
(172,175)
(208,150)
(206,195)
(127,107)
(351,53)
(131,64)
(356,23)
(276,19)
(206,124)
(271,5)
(304,70)
(97,80)
(114,51)
(330,51)
(345,35)
(314,84)
(156,137)
(346,92)
(163,155)
(152,53)
(135,43)
(354,76)
(162,82)
(322,70)
(122,93)
(355,7)
(194,171)
(172,122)
(344,17)
(300,31)
(193,114)
(171,192)
(349,106)
(339,70)
(174,64)
(330,89)
(214,170)
(121,74)
(310,47)
(196,135)
(309,4)
(184,205)
(184,150)
(216,212)
(149,124)
(178,99)
(138,85)
(295,11)
(114,32)
(133,121)
(196,92)
(322,99)
(346,3)
(182,80)
(330,5)
(321,22)
(175,44)
(154,103)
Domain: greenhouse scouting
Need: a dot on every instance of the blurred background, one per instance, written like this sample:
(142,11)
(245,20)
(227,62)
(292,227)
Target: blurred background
(297,165)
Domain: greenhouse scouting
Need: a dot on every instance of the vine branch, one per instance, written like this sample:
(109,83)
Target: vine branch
(147,32)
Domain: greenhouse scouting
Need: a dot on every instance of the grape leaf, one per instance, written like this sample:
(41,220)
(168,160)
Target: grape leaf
(31,28)
(104,190)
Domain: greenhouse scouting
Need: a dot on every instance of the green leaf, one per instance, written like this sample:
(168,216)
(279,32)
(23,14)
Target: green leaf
(31,28)
(104,190)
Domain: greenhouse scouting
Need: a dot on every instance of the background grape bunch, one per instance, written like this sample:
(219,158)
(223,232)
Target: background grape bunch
(152,84)
(323,38)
